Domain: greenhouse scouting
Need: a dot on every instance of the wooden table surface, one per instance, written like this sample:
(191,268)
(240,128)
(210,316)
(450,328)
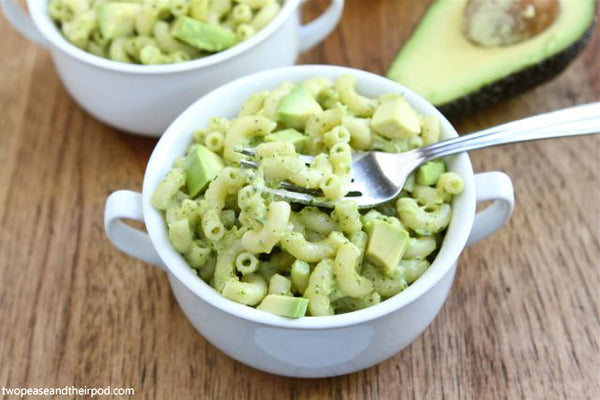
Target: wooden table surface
(522,319)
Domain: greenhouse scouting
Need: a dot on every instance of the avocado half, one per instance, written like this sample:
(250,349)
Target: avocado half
(459,77)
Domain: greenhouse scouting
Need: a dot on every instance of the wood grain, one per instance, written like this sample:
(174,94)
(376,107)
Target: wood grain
(522,320)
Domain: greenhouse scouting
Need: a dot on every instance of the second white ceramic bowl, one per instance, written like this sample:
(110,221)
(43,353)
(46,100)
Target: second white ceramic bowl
(144,99)
(309,346)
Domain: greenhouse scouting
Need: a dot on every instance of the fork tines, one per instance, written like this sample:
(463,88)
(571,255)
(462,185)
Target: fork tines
(248,151)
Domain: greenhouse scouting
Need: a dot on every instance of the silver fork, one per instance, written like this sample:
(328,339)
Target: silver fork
(379,177)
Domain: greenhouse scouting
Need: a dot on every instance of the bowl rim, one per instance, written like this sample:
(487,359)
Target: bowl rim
(179,130)
(39,15)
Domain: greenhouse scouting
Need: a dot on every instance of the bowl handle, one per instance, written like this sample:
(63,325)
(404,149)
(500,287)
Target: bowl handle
(315,31)
(495,186)
(128,204)
(22,22)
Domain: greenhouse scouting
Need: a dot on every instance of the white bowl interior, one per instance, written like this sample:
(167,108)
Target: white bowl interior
(226,102)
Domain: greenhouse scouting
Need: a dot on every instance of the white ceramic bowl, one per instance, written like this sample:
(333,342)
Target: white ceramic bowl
(144,99)
(310,346)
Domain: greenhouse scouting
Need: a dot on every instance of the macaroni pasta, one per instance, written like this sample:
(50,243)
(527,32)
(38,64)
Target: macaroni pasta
(295,260)
(159,31)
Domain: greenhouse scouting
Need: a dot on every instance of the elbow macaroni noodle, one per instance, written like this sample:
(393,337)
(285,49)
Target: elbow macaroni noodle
(141,32)
(249,245)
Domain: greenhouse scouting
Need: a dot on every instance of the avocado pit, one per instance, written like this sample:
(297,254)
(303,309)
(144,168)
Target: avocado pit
(492,23)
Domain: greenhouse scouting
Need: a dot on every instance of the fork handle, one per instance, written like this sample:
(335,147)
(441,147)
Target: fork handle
(572,121)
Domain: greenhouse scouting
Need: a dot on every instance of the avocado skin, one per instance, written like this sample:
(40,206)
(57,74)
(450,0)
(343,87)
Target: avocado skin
(517,82)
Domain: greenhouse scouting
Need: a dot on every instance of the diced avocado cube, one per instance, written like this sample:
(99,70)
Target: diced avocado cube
(396,119)
(117,19)
(288,135)
(201,166)
(286,306)
(429,173)
(387,244)
(203,36)
(297,107)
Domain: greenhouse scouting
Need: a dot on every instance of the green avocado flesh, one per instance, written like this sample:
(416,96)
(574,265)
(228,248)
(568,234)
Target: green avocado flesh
(387,244)
(201,167)
(286,306)
(203,36)
(396,119)
(288,135)
(297,107)
(429,173)
(456,75)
